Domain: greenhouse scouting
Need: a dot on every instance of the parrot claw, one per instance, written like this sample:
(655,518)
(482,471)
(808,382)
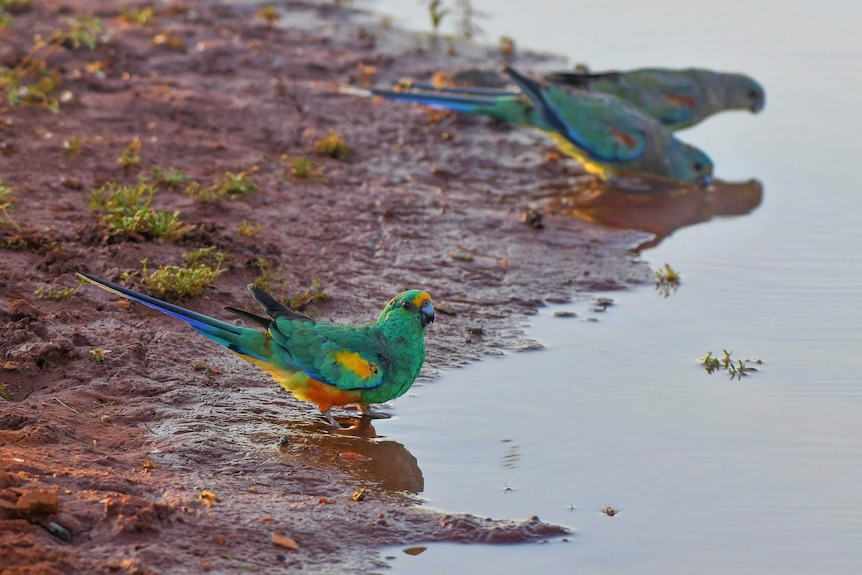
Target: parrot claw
(366,412)
(332,422)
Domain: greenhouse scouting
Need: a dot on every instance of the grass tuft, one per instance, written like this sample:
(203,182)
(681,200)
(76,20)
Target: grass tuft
(183,281)
(127,209)
(333,146)
(30,81)
(131,156)
(302,168)
(6,201)
(248,230)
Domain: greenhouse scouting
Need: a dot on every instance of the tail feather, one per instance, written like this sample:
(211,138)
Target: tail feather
(231,336)
(466,90)
(455,101)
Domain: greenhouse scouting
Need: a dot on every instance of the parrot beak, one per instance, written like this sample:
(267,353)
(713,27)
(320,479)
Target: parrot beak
(426,313)
(758,100)
(704,181)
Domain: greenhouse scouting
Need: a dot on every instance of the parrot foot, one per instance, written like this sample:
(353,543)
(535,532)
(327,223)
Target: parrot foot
(332,422)
(366,412)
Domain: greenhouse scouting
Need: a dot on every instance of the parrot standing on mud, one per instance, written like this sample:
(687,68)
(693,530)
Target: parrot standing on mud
(677,98)
(610,136)
(321,363)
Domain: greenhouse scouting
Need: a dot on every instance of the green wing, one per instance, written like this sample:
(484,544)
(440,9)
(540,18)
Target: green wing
(341,356)
(603,126)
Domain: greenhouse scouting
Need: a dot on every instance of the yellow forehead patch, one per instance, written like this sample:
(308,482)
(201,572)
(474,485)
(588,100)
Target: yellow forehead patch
(420,299)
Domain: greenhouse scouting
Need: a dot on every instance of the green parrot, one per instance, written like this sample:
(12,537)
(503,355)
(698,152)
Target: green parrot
(677,98)
(321,363)
(610,136)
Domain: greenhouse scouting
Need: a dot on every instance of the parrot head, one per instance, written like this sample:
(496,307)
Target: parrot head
(410,310)
(748,94)
(737,91)
(689,164)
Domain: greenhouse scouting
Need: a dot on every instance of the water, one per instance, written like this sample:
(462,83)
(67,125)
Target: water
(709,475)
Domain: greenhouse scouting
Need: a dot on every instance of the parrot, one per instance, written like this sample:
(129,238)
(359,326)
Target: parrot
(677,98)
(610,136)
(601,121)
(321,363)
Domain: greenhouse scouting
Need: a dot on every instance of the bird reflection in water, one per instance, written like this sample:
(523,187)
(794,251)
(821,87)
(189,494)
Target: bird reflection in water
(384,464)
(658,207)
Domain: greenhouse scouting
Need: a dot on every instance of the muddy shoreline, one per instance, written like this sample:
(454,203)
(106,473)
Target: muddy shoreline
(121,453)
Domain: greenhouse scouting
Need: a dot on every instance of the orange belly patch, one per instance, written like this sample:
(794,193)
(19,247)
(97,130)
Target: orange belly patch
(305,388)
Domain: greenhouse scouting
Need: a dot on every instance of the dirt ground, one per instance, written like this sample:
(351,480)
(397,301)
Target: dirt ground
(171,455)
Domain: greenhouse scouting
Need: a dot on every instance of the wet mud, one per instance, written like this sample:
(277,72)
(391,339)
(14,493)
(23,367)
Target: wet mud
(128,443)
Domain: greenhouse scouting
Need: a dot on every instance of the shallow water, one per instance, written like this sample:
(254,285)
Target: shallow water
(709,475)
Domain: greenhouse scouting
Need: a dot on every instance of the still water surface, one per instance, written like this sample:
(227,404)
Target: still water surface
(709,475)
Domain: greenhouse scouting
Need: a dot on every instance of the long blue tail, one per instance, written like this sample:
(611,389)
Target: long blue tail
(456,101)
(231,336)
(464,90)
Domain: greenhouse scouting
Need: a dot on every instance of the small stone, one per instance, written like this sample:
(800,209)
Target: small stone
(565,314)
(59,531)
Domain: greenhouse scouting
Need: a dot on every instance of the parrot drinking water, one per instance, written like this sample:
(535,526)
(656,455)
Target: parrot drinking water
(606,134)
(321,363)
(610,136)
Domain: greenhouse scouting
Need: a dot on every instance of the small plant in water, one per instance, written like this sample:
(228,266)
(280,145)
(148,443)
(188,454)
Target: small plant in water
(737,369)
(667,280)
(333,146)
(436,13)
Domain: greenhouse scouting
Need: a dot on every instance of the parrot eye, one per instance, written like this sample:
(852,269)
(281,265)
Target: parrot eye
(754,94)
(406,304)
(698,166)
